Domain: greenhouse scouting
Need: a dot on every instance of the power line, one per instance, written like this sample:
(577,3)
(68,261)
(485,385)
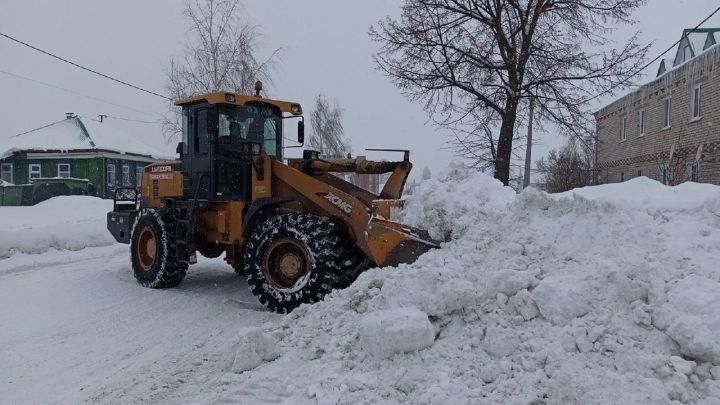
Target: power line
(71,91)
(131,119)
(83,67)
(654,60)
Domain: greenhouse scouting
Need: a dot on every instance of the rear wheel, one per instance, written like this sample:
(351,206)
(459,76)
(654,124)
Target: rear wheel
(292,259)
(152,251)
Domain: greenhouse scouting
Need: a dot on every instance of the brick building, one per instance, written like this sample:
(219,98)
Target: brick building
(668,129)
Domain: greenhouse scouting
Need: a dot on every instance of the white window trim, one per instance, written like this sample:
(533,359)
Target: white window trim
(693,117)
(111,179)
(68,171)
(642,123)
(4,170)
(667,114)
(31,170)
(623,128)
(125,175)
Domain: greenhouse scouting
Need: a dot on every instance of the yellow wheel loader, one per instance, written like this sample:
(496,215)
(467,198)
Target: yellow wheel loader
(292,227)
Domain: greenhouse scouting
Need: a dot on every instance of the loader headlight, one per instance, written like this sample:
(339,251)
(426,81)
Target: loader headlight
(295,109)
(255,149)
(230,98)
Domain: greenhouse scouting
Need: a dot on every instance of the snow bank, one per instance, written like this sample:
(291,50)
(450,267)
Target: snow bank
(67,223)
(603,295)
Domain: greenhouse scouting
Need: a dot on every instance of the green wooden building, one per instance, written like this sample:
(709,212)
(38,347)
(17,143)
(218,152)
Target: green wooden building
(77,148)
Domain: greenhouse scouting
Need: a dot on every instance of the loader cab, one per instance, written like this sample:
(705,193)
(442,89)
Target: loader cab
(220,137)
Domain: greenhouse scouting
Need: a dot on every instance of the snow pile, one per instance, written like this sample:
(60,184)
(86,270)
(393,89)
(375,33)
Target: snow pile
(387,333)
(443,207)
(253,348)
(605,295)
(68,223)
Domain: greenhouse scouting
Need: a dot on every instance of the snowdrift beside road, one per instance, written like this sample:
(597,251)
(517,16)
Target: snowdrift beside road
(65,223)
(605,295)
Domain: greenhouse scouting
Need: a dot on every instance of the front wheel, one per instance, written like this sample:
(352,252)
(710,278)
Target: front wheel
(152,251)
(293,259)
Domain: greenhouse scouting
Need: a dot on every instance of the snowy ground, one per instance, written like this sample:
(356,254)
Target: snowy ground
(605,295)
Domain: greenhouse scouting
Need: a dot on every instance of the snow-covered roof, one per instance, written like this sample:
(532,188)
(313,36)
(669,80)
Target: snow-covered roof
(80,134)
(698,40)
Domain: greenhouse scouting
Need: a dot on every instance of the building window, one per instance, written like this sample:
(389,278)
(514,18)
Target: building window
(110,174)
(665,176)
(138,175)
(696,102)
(695,171)
(35,171)
(622,177)
(63,170)
(667,107)
(126,175)
(623,128)
(639,173)
(641,123)
(6,172)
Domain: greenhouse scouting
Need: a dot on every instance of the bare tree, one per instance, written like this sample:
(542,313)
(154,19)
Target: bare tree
(476,63)
(221,54)
(570,167)
(327,128)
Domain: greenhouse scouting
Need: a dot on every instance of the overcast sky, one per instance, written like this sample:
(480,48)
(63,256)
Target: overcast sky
(326,49)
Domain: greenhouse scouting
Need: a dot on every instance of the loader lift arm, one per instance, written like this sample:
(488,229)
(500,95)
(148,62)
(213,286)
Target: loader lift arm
(367,217)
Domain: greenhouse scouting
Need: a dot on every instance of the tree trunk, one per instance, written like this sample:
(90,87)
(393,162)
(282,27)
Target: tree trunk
(505,142)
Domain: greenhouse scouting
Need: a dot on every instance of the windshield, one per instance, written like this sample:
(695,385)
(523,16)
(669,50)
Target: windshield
(260,123)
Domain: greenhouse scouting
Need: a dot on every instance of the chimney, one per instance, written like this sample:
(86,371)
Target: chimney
(69,115)
(102,117)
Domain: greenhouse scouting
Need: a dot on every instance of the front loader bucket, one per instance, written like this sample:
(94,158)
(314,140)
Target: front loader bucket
(391,243)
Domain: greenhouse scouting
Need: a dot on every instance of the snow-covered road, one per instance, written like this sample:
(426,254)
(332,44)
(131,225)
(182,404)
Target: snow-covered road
(76,328)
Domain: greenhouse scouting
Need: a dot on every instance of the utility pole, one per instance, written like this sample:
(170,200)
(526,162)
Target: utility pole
(528,150)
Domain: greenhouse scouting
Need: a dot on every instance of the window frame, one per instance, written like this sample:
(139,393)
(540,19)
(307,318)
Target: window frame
(68,171)
(623,128)
(4,170)
(694,174)
(641,123)
(110,181)
(32,166)
(696,104)
(667,113)
(125,170)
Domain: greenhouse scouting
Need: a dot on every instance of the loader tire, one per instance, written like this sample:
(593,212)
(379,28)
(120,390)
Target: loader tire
(354,263)
(293,259)
(152,251)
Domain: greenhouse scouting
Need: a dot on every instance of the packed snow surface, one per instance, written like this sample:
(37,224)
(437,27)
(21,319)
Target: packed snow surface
(602,295)
(66,223)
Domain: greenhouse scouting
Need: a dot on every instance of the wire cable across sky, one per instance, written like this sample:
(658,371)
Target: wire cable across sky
(83,67)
